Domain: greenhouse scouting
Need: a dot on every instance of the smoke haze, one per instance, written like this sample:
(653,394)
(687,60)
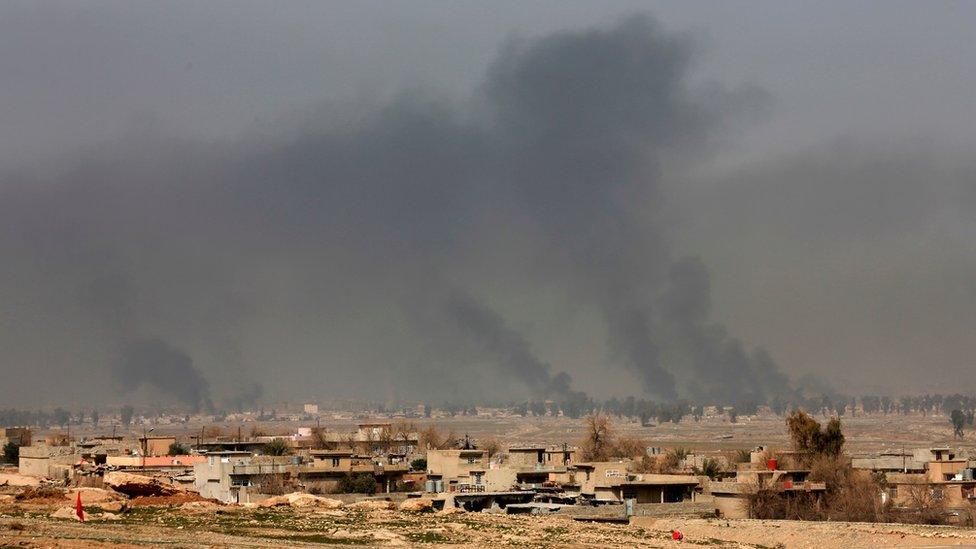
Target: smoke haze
(570,216)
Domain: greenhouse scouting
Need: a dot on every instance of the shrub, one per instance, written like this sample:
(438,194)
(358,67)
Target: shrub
(273,485)
(277,447)
(807,435)
(710,468)
(363,483)
(178,449)
(11,452)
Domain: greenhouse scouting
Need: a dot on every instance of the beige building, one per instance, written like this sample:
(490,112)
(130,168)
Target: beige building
(156,446)
(45,461)
(370,438)
(328,467)
(21,436)
(239,477)
(785,477)
(458,470)
(611,481)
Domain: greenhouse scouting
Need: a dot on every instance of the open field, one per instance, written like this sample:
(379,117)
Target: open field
(864,433)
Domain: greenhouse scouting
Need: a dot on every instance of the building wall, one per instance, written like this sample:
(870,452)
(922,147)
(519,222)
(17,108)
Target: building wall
(501,479)
(157,446)
(45,462)
(940,471)
(559,458)
(734,506)
(455,465)
(21,436)
(603,473)
(525,458)
(34,467)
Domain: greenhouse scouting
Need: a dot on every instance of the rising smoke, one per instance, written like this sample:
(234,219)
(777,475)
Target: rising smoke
(549,174)
(164,368)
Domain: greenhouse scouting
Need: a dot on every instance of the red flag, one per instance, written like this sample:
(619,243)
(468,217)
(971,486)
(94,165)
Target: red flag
(79,510)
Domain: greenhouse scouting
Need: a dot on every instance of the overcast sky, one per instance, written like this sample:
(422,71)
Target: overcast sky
(833,211)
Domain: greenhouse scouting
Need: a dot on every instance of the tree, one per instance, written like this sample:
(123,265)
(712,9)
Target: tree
(363,483)
(178,449)
(807,435)
(958,419)
(432,439)
(802,429)
(402,432)
(11,452)
(125,414)
(94,417)
(710,468)
(419,464)
(61,417)
(277,447)
(597,442)
(491,446)
(673,459)
(628,447)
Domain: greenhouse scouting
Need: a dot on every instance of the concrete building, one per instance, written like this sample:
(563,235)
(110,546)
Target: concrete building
(611,481)
(533,467)
(594,477)
(160,463)
(156,446)
(45,461)
(371,438)
(788,480)
(652,488)
(894,461)
(328,467)
(238,477)
(458,470)
(21,436)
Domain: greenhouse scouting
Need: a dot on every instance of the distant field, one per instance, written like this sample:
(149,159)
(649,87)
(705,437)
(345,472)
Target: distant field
(864,433)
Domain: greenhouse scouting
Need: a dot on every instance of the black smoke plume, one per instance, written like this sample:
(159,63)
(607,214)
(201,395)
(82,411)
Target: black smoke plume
(164,368)
(331,244)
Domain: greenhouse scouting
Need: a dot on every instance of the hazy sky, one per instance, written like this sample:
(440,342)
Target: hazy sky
(817,159)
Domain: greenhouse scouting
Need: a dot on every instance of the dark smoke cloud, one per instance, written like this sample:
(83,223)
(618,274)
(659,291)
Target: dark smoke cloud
(327,250)
(712,365)
(162,367)
(505,347)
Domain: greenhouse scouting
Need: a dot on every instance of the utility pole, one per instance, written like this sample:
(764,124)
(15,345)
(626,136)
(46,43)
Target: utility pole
(145,444)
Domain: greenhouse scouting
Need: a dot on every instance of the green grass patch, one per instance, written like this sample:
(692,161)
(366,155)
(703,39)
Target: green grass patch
(428,537)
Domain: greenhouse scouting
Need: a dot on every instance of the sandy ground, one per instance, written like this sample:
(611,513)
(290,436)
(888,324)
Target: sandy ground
(31,526)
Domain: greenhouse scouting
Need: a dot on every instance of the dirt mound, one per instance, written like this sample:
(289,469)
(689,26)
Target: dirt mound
(298,499)
(372,505)
(204,505)
(92,496)
(417,505)
(44,494)
(65,513)
(138,485)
